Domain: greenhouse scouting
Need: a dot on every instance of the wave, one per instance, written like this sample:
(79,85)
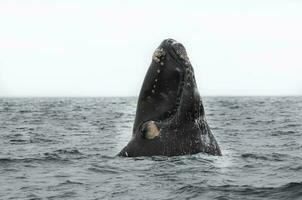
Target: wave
(280,132)
(292,190)
(60,155)
(32,160)
(266,157)
(69,151)
(68,182)
(66,154)
(292,125)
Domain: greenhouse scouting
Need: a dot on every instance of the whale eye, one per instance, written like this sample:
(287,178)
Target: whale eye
(149,130)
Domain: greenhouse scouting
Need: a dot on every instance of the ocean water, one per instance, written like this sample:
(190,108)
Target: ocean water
(64,148)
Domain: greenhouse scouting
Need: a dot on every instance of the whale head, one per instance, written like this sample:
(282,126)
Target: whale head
(170,115)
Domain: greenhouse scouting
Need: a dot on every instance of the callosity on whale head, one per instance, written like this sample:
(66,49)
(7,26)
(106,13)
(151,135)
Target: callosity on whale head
(170,118)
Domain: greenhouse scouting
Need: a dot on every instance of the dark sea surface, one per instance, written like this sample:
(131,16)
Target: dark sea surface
(64,148)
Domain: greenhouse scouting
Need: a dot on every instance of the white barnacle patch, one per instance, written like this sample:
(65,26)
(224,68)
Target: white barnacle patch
(161,63)
(183,55)
(158,71)
(158,55)
(152,130)
(153,91)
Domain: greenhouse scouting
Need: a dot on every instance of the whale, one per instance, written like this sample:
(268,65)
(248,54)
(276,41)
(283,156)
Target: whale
(170,117)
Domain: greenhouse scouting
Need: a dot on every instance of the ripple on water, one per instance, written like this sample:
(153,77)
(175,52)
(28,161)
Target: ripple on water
(64,148)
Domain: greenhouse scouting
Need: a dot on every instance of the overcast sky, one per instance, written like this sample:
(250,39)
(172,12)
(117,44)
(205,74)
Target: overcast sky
(104,48)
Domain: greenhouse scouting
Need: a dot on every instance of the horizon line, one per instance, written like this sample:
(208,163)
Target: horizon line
(130,96)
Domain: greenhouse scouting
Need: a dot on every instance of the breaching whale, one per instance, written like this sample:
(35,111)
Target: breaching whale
(170,118)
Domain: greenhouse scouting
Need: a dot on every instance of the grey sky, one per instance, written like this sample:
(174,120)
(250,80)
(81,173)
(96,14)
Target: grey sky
(103,48)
